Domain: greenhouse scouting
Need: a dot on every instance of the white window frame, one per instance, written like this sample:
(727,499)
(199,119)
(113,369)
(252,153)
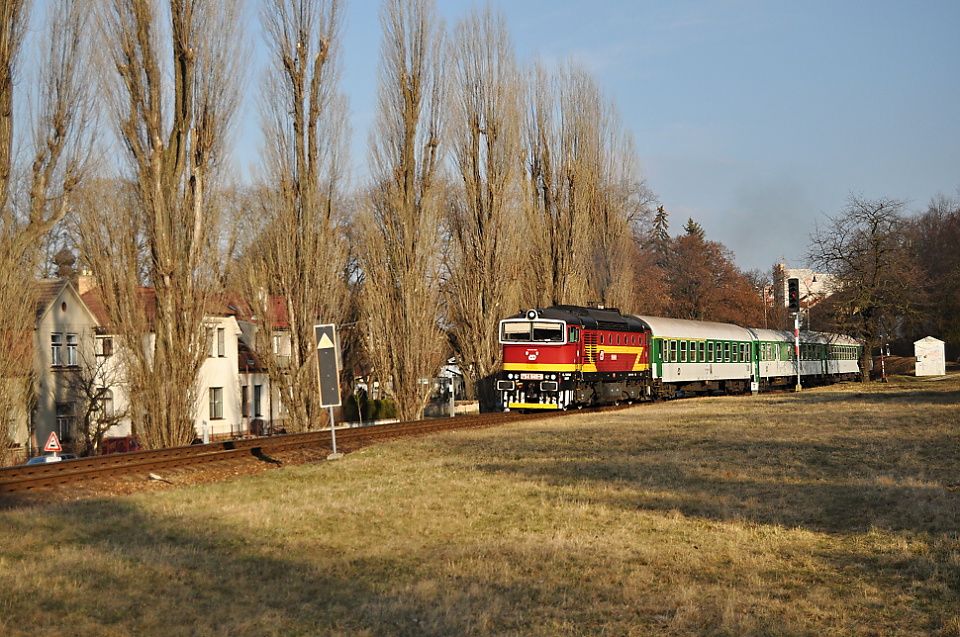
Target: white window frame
(71,343)
(216,403)
(56,349)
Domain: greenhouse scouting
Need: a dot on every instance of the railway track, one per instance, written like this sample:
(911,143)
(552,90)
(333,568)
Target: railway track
(24,478)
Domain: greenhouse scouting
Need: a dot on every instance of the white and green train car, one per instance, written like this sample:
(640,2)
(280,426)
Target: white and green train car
(699,356)
(822,357)
(702,356)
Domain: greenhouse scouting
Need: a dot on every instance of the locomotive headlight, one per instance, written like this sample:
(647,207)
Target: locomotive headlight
(531,314)
(510,376)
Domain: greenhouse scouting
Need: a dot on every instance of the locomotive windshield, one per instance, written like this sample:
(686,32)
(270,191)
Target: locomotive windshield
(521,331)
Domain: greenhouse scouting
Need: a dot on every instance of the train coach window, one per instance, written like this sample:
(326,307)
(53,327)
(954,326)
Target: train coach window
(735,353)
(744,352)
(710,352)
(683,351)
(703,351)
(673,352)
(726,352)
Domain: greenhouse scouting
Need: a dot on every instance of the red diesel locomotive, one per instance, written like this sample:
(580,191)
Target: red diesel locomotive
(566,356)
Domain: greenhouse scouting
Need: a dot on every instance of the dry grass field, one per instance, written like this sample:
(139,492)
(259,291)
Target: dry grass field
(832,512)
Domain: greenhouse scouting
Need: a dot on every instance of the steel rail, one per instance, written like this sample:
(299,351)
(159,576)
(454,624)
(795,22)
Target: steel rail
(26,478)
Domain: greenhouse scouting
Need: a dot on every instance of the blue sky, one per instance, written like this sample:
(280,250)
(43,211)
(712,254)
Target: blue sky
(755,118)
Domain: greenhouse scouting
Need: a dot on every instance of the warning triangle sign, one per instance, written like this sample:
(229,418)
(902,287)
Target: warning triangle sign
(325,342)
(53,443)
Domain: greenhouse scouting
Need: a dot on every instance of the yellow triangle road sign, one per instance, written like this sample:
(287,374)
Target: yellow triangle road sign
(325,342)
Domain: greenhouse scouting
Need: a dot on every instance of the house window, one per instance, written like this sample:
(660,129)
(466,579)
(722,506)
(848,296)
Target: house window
(258,401)
(104,345)
(106,403)
(71,350)
(221,342)
(65,413)
(216,403)
(244,402)
(56,349)
(276,343)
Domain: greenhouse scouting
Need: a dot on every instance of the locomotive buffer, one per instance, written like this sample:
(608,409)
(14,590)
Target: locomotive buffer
(328,369)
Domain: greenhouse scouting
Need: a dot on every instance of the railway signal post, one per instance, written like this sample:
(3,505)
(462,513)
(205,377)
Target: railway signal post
(328,369)
(793,302)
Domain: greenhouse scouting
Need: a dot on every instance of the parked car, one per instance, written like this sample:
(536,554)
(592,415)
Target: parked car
(50,458)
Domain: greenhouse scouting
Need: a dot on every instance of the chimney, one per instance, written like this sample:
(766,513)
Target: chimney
(85,282)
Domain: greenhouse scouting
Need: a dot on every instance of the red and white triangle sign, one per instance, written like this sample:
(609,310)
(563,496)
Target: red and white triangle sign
(53,443)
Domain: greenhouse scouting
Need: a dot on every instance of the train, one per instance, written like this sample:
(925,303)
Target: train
(567,356)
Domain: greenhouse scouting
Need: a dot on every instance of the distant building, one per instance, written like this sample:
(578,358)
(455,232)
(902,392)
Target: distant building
(814,286)
(931,360)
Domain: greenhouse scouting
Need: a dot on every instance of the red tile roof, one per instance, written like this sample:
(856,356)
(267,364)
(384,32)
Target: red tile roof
(46,291)
(94,301)
(221,305)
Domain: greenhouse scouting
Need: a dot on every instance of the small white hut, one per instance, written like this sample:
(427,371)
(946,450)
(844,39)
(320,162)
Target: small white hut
(931,360)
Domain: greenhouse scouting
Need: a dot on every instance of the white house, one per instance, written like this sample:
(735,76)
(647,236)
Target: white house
(931,359)
(77,371)
(64,357)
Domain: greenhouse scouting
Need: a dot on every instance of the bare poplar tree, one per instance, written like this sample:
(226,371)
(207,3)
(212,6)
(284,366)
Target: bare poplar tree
(583,193)
(484,126)
(58,159)
(620,213)
(171,76)
(301,259)
(400,230)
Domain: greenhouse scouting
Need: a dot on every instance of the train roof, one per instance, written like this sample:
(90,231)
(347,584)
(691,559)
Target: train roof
(662,327)
(589,317)
(683,328)
(805,337)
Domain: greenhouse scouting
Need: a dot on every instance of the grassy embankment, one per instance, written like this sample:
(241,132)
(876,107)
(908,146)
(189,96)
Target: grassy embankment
(835,511)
